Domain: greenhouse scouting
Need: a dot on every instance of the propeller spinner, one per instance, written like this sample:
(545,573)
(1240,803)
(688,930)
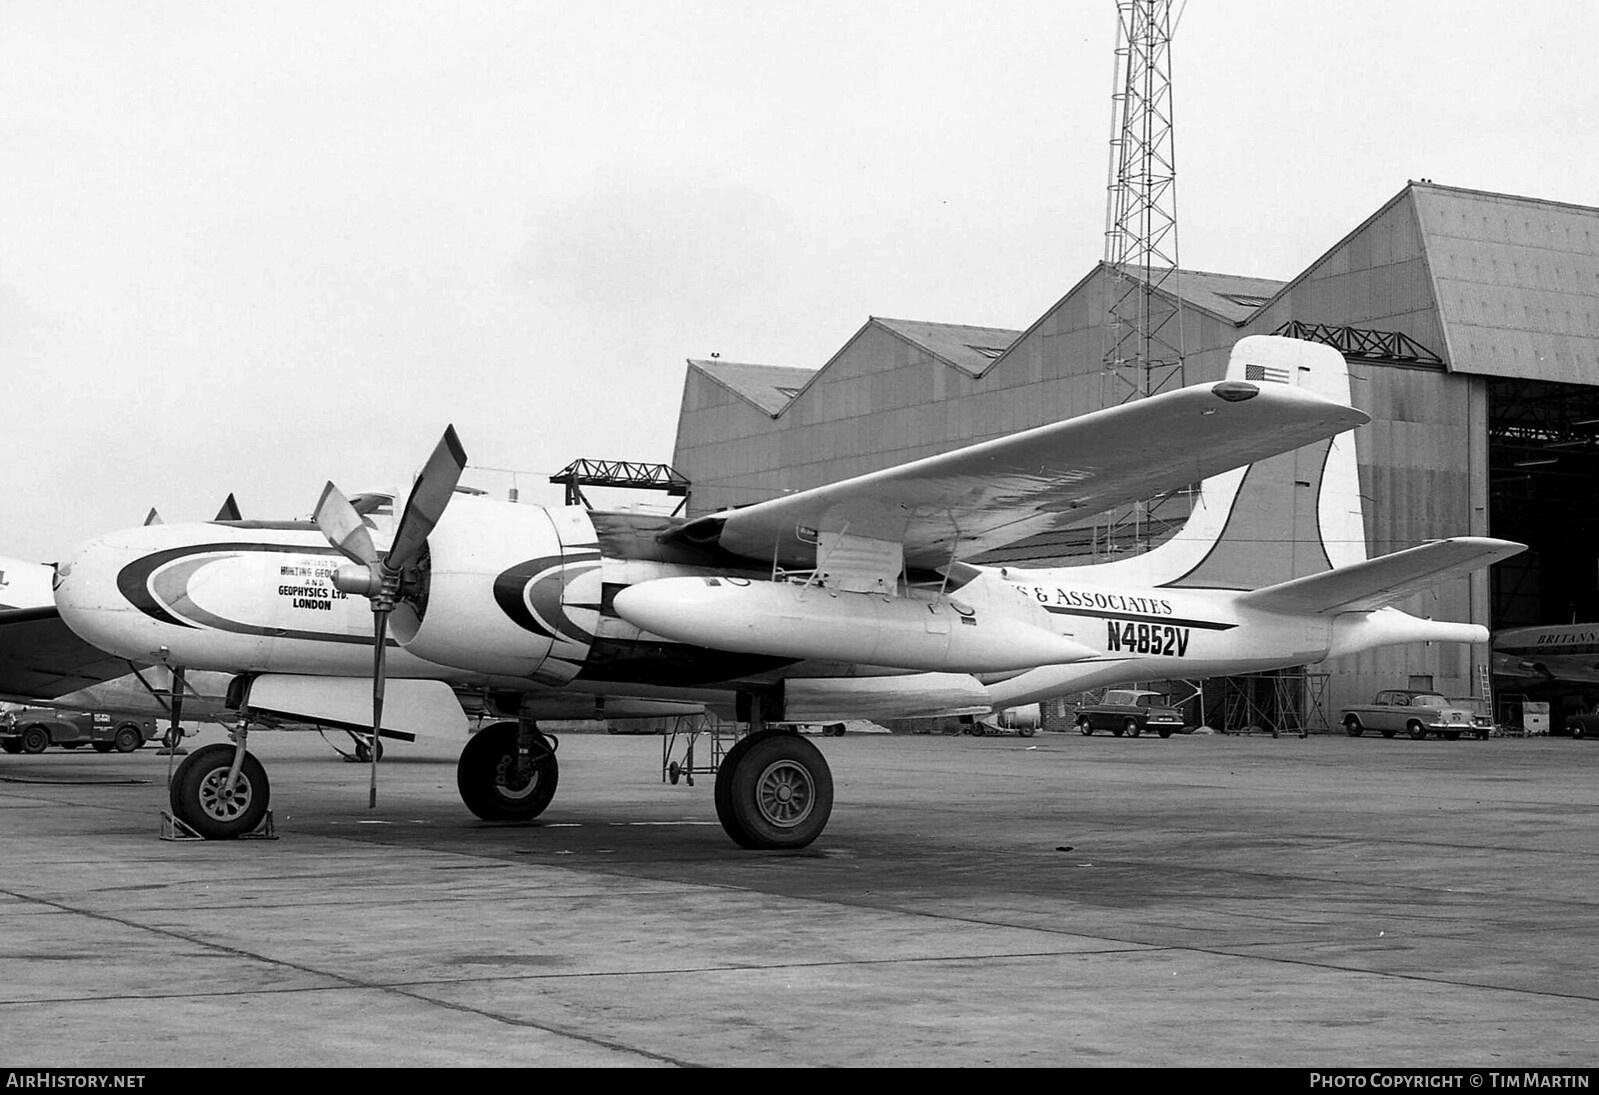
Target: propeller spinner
(384,581)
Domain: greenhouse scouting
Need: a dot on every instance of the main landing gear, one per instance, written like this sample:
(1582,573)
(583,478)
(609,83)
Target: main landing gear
(508,772)
(773,790)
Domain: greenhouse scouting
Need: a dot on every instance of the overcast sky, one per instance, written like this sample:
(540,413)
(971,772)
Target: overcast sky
(253,246)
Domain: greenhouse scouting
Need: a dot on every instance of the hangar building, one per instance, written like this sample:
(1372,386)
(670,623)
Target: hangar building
(1470,322)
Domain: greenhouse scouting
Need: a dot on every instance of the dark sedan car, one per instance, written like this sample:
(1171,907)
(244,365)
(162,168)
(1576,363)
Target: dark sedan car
(35,729)
(1130,711)
(1583,724)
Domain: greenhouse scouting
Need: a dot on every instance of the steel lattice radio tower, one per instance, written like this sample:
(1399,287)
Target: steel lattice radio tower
(1143,308)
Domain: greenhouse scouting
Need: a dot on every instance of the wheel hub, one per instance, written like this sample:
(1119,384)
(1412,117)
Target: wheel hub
(220,803)
(516,777)
(785,794)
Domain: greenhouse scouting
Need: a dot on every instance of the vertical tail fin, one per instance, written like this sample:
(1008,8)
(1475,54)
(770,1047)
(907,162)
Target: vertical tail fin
(1286,517)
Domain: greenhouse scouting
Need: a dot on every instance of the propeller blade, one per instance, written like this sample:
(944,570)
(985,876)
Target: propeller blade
(380,627)
(429,496)
(343,527)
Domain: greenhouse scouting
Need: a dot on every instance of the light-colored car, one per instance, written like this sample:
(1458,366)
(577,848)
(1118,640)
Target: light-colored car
(1130,711)
(1415,711)
(1482,717)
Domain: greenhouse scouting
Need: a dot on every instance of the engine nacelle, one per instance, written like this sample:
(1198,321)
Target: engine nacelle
(512,590)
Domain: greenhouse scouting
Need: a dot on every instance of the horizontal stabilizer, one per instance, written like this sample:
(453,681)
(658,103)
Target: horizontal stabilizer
(1375,583)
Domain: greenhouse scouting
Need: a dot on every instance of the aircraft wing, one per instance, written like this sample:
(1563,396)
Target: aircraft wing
(1376,583)
(987,495)
(40,657)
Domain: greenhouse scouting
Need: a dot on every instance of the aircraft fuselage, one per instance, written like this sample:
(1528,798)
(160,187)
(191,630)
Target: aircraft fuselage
(524,596)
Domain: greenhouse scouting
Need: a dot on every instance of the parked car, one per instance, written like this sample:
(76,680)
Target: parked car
(1584,724)
(35,729)
(1416,712)
(1482,716)
(1130,711)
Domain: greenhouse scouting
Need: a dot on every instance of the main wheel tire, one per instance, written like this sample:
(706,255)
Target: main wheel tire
(1084,725)
(1132,728)
(363,751)
(1415,730)
(1025,731)
(127,739)
(1577,730)
(494,782)
(199,800)
(35,739)
(1352,727)
(774,790)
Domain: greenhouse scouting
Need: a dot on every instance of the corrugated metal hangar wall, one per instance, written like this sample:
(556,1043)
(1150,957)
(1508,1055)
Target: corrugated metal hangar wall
(1471,325)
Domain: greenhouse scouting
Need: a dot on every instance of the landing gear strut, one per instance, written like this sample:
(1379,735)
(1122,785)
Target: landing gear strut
(508,772)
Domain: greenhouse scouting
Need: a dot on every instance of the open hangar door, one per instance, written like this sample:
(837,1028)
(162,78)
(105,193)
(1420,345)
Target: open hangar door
(1543,490)
(1543,467)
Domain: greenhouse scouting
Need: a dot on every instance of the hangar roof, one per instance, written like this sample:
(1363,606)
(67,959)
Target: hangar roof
(768,387)
(771,388)
(1510,285)
(1229,296)
(1516,282)
(970,349)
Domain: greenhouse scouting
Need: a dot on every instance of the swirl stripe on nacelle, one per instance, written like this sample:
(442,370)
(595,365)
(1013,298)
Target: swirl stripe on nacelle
(160,586)
(531,594)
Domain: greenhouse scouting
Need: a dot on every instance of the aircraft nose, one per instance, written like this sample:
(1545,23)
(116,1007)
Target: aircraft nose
(86,593)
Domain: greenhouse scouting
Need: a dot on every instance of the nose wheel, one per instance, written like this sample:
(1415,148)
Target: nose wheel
(774,790)
(202,798)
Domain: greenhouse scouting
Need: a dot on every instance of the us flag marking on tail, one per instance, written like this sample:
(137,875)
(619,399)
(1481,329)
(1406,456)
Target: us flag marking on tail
(1266,372)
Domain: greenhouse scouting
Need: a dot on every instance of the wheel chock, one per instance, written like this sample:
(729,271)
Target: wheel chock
(264,831)
(173,828)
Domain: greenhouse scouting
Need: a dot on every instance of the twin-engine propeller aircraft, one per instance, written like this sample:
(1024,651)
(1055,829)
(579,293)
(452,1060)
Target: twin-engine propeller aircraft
(844,601)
